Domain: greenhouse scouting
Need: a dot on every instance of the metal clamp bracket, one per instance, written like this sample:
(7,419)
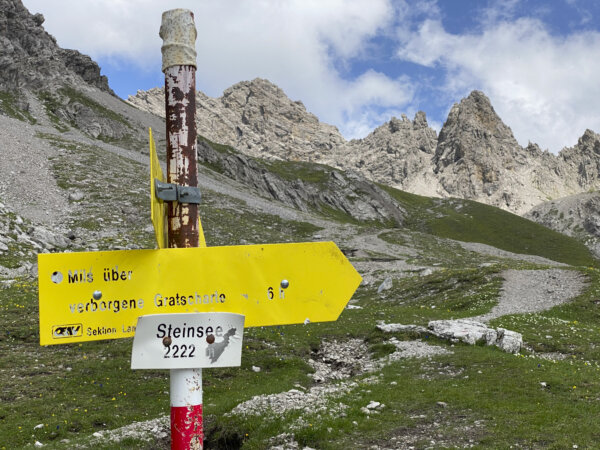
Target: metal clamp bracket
(169,192)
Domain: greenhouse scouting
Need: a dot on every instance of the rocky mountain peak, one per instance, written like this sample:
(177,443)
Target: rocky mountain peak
(257,118)
(258,90)
(420,121)
(589,142)
(394,153)
(473,129)
(262,104)
(475,153)
(31,59)
(478,110)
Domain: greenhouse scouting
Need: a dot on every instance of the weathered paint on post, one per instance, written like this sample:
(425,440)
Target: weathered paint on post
(179,66)
(180,104)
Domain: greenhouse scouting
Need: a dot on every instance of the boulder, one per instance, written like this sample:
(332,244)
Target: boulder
(473,332)
(469,331)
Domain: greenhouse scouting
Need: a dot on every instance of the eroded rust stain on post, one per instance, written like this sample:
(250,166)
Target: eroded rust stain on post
(180,107)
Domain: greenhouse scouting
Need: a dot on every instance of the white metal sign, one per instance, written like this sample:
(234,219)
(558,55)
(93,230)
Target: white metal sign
(188,341)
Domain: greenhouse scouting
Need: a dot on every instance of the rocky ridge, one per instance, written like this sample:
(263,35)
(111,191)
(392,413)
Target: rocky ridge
(43,83)
(31,59)
(398,153)
(475,155)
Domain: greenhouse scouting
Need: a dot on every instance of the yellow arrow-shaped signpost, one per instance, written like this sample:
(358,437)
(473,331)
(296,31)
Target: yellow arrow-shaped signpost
(157,207)
(99,295)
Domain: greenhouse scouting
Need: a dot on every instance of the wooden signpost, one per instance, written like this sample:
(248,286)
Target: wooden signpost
(186,305)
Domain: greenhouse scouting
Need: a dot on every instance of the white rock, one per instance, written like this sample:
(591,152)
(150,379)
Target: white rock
(38,444)
(38,426)
(76,196)
(397,327)
(386,285)
(473,332)
(255,369)
(465,330)
(509,341)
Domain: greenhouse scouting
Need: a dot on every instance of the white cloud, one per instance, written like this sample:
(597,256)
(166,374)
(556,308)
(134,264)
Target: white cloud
(104,28)
(544,87)
(498,10)
(300,45)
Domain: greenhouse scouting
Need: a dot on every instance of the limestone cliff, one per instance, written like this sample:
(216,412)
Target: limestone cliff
(475,155)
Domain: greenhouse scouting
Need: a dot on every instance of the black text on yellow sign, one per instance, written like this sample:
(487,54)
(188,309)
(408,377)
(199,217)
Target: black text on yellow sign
(99,295)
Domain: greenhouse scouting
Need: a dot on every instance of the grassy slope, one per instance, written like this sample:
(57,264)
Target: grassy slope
(470,221)
(491,398)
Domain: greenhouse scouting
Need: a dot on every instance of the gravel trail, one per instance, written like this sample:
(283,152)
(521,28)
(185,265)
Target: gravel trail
(527,291)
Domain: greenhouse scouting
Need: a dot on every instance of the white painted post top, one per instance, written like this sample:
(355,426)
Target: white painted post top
(178,33)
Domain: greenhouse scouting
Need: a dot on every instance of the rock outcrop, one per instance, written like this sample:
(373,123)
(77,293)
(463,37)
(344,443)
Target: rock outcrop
(585,157)
(306,187)
(398,153)
(469,331)
(577,216)
(473,332)
(31,59)
(44,84)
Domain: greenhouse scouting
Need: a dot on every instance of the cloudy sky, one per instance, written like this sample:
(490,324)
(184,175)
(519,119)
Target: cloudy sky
(357,63)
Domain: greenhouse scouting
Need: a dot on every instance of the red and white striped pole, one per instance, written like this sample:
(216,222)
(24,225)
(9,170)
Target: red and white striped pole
(186,409)
(184,229)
